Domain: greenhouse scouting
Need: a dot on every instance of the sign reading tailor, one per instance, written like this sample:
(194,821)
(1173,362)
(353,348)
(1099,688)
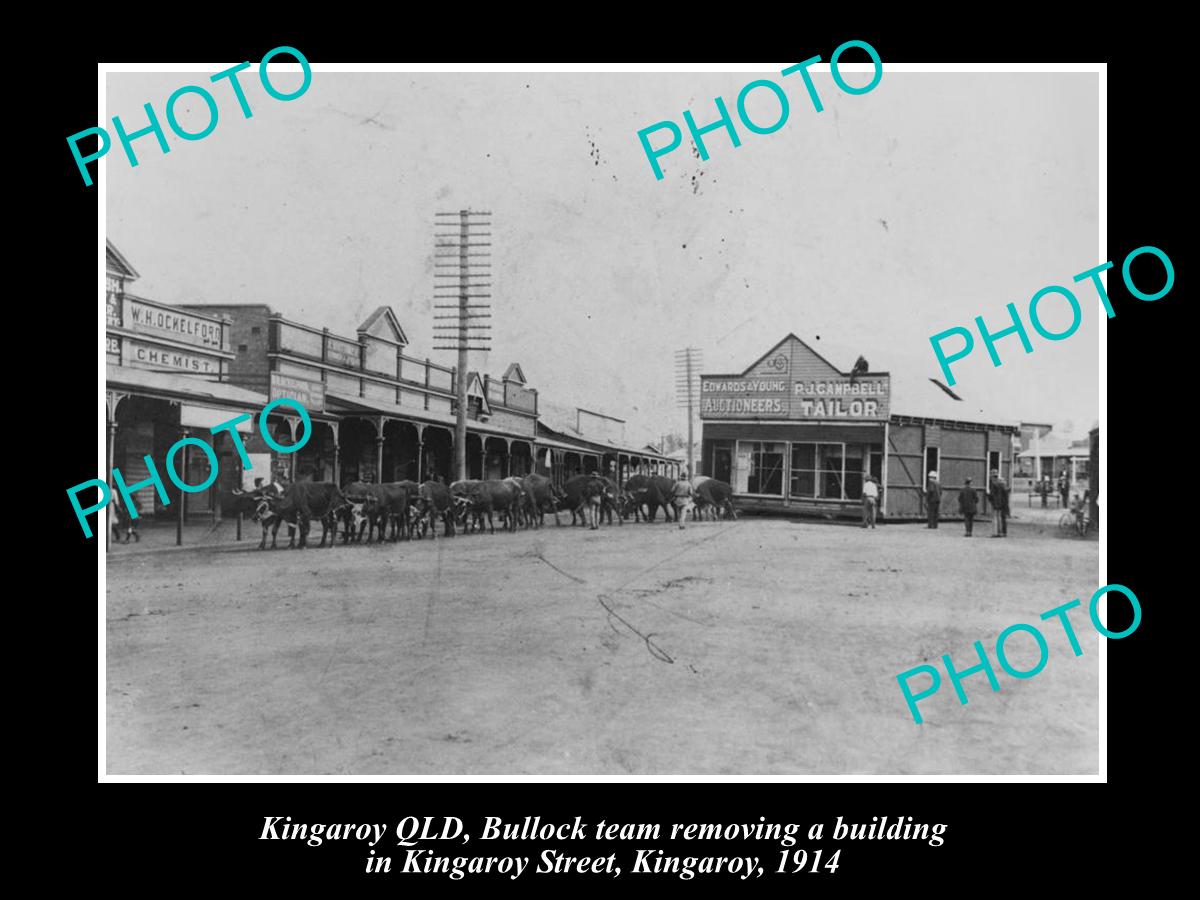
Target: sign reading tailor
(155,480)
(754,397)
(1039,640)
(1018,327)
(155,127)
(725,121)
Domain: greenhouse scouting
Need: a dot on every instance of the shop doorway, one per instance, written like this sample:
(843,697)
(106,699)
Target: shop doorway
(877,465)
(723,464)
(932,457)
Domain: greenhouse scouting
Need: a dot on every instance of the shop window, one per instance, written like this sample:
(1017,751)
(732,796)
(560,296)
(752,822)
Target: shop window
(994,463)
(820,471)
(763,462)
(853,478)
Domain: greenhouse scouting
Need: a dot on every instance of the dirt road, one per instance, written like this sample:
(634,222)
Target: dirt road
(747,648)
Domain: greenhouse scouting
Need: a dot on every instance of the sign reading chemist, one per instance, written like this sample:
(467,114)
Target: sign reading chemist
(137,355)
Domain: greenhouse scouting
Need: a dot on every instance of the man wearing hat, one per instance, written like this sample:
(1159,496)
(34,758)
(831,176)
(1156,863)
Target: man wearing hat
(933,499)
(968,502)
(998,497)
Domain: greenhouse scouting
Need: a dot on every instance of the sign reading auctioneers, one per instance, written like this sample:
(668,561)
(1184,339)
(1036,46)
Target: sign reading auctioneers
(864,398)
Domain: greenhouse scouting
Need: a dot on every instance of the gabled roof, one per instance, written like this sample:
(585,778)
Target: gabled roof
(913,393)
(384,325)
(475,388)
(791,337)
(117,263)
(514,373)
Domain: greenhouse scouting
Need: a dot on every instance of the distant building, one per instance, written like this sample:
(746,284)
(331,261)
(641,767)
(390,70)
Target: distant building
(579,441)
(1094,468)
(1044,453)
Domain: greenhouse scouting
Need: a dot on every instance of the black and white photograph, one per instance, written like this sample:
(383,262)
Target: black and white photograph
(607,423)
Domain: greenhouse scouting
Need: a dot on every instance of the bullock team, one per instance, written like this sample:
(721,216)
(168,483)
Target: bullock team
(405,509)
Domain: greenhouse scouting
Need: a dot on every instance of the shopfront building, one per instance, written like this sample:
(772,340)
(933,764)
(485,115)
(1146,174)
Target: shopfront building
(793,433)
(167,377)
(379,414)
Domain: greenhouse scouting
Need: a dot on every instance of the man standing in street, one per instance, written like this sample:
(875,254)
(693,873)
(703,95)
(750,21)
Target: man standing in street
(968,502)
(682,500)
(1064,487)
(998,496)
(933,499)
(870,499)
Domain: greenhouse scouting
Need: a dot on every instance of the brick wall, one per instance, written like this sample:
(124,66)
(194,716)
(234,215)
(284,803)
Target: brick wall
(248,330)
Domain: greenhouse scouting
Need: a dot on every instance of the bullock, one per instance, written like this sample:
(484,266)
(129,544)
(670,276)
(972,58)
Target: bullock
(434,501)
(301,502)
(482,498)
(365,510)
(381,506)
(404,499)
(462,494)
(266,500)
(715,495)
(651,491)
(539,494)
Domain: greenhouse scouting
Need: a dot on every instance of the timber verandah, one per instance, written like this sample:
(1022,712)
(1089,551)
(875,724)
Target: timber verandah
(382,415)
(377,414)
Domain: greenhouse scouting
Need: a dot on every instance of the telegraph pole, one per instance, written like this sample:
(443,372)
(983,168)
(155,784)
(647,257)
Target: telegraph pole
(687,393)
(457,294)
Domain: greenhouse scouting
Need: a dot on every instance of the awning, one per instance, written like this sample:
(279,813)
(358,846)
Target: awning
(215,394)
(566,442)
(186,387)
(574,448)
(360,405)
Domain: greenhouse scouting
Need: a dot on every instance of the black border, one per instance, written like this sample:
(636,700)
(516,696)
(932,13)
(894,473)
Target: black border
(168,835)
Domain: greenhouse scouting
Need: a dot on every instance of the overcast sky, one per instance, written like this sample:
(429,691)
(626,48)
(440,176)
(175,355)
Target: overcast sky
(865,228)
